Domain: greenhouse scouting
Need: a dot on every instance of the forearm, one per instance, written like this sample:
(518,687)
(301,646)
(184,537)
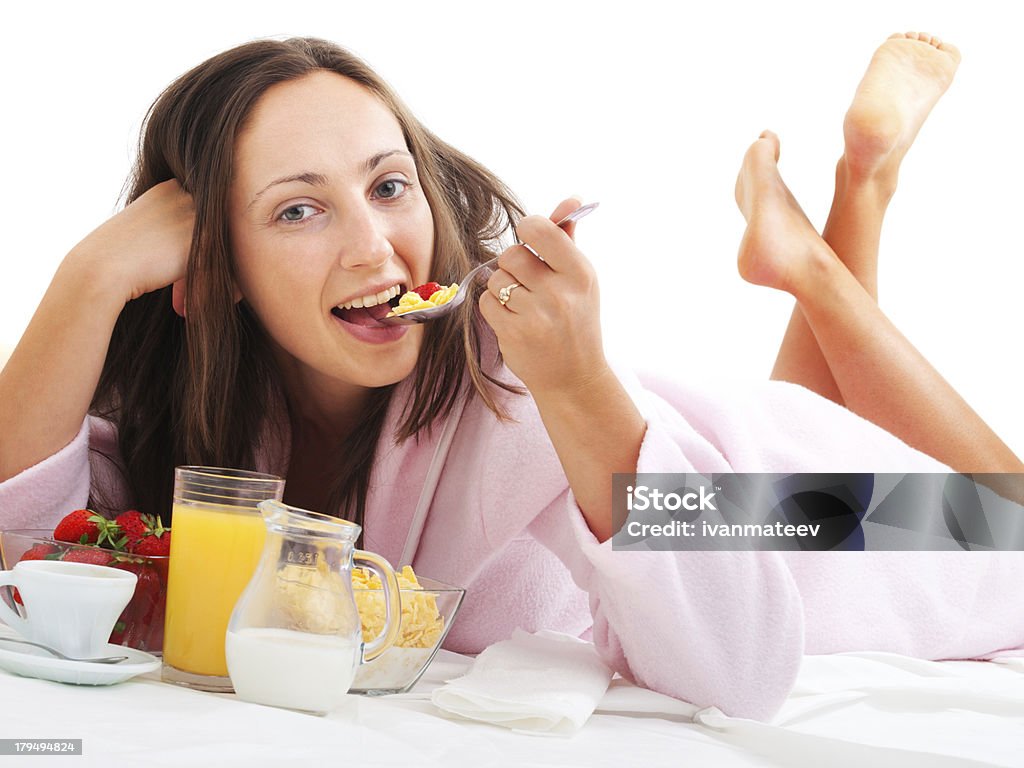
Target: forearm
(596,431)
(49,381)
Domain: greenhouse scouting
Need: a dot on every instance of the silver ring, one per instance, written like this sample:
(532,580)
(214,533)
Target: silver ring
(529,247)
(505,293)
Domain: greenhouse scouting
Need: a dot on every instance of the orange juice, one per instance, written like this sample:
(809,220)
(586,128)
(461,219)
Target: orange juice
(214,553)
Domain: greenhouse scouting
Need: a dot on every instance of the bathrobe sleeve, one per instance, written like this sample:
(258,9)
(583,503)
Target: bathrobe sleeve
(712,628)
(41,495)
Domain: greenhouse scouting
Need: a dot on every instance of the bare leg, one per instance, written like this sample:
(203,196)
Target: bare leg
(904,80)
(879,374)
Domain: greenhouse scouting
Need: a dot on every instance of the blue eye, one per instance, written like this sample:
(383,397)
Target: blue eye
(294,214)
(391,188)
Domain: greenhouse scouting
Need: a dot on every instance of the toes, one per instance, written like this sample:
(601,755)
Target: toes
(755,166)
(766,142)
(923,37)
(773,140)
(951,50)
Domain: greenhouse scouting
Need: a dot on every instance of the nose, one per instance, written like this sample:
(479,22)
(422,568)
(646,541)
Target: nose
(364,239)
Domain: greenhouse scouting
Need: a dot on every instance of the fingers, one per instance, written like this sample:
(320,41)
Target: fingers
(563,209)
(494,314)
(524,315)
(510,295)
(522,266)
(544,308)
(506,294)
(546,259)
(566,207)
(551,243)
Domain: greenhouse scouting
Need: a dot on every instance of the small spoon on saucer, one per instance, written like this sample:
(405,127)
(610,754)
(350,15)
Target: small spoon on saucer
(434,313)
(59,655)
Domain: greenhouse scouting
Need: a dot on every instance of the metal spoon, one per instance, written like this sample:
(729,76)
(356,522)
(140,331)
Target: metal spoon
(59,655)
(435,313)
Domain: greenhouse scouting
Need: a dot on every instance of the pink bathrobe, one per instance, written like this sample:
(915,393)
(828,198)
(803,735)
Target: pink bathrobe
(713,628)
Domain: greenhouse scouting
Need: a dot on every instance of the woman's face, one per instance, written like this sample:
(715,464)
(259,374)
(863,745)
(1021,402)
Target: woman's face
(328,221)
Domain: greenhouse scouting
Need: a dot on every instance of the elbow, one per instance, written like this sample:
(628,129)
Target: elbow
(755,690)
(745,671)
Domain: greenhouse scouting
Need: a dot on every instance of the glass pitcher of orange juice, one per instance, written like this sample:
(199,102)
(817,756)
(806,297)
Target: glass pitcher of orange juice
(218,539)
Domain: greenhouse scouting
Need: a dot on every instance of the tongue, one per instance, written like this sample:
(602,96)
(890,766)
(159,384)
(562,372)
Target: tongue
(365,316)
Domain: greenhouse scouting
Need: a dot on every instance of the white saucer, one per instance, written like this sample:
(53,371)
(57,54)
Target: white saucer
(35,662)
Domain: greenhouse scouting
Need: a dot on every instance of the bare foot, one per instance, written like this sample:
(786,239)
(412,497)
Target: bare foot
(905,78)
(780,247)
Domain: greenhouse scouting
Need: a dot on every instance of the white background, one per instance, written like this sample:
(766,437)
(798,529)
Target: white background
(644,107)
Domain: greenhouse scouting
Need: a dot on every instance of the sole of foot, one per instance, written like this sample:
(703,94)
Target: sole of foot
(906,77)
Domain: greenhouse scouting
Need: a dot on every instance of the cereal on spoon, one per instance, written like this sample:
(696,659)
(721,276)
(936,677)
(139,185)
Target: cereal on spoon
(424,297)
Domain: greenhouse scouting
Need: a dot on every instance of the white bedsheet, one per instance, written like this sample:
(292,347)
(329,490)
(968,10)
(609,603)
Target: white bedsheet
(869,710)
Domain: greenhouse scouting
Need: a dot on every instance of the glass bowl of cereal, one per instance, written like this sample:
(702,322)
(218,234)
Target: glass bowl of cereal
(428,609)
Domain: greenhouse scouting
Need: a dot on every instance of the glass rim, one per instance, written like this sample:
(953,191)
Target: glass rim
(202,495)
(283,514)
(45,536)
(226,473)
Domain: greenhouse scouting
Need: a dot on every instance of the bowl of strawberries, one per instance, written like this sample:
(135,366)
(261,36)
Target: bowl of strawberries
(132,542)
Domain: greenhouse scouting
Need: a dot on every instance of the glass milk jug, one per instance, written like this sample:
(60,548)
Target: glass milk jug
(295,638)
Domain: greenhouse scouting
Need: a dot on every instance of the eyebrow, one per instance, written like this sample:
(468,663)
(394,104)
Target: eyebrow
(320,180)
(376,160)
(306,177)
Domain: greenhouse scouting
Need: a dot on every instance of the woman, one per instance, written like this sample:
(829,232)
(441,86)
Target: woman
(282,194)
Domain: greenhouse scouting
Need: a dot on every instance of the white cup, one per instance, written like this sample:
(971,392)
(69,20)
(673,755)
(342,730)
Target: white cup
(71,607)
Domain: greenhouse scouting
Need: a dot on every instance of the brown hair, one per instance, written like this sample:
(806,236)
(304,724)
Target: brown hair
(198,390)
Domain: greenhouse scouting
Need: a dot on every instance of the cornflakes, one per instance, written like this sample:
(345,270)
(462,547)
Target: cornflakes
(411,300)
(422,623)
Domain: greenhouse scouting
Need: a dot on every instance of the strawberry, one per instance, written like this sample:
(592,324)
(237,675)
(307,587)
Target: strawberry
(155,639)
(35,552)
(427,290)
(154,544)
(141,623)
(39,552)
(93,555)
(81,527)
(117,633)
(148,585)
(134,525)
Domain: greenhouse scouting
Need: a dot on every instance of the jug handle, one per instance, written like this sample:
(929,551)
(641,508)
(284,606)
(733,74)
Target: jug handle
(392,604)
(10,618)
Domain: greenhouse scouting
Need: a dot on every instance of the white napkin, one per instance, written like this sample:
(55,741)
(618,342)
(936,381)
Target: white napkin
(547,682)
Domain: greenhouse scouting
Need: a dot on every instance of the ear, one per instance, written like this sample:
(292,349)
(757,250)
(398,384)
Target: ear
(178,297)
(237,293)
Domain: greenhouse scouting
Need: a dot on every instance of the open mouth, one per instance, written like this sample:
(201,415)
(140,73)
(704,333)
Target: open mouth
(368,310)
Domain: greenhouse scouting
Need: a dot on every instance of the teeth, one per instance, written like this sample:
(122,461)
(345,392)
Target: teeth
(373,300)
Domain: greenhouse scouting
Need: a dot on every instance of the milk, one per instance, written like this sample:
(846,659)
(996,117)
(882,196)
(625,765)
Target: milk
(295,670)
